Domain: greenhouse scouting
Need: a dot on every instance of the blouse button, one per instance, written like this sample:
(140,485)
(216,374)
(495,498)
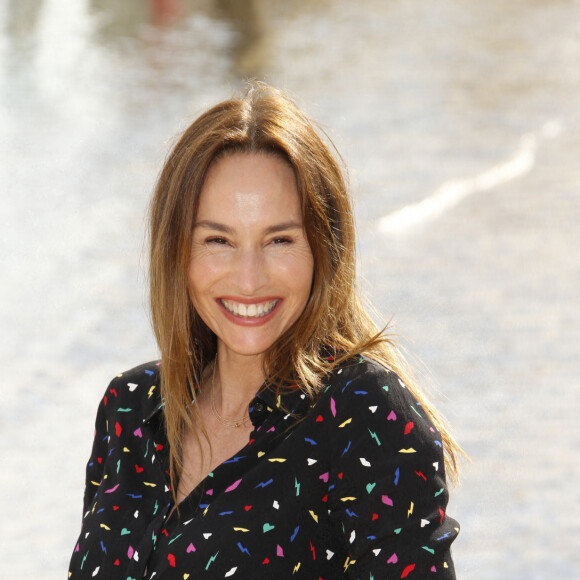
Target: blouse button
(259,407)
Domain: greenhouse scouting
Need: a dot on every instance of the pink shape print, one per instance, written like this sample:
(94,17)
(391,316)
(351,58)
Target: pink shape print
(233,486)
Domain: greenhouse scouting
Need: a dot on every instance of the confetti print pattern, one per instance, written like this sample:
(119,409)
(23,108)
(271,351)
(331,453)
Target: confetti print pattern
(351,487)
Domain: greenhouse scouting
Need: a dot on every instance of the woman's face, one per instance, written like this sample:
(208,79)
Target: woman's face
(251,266)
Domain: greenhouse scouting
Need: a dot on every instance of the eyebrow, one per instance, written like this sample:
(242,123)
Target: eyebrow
(285,226)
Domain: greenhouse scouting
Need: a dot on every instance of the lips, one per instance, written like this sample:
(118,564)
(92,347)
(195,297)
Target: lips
(249,311)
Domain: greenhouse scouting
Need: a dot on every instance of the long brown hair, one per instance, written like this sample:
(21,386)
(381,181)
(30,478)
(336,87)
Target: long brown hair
(334,321)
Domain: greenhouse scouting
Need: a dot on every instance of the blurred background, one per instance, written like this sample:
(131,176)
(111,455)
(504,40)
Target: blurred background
(460,123)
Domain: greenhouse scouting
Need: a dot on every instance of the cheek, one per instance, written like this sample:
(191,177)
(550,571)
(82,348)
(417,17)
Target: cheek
(196,282)
(192,290)
(302,276)
(203,269)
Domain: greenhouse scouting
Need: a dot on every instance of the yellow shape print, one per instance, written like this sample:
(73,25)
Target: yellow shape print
(348,563)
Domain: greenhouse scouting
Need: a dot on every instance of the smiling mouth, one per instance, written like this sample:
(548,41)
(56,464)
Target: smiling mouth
(249,310)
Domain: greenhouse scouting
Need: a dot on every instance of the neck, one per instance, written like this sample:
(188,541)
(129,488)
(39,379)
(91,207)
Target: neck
(237,380)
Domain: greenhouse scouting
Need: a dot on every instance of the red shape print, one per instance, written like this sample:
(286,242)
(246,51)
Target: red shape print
(442,514)
(409,427)
(325,498)
(421,475)
(171,559)
(251,441)
(319,419)
(266,561)
(375,517)
(100,459)
(340,475)
(138,469)
(113,392)
(116,562)
(118,429)
(248,508)
(105,400)
(158,447)
(408,570)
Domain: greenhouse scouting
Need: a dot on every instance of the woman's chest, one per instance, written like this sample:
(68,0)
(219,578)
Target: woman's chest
(262,512)
(204,451)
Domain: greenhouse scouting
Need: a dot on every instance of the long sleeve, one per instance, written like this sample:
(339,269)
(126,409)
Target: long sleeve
(126,488)
(389,496)
(96,463)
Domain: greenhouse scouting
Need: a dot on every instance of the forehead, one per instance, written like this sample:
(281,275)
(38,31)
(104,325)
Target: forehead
(249,183)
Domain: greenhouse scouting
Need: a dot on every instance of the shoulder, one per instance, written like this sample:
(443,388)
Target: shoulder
(362,388)
(364,377)
(135,391)
(145,373)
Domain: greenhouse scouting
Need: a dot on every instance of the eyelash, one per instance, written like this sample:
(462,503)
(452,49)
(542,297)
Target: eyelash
(219,241)
(222,241)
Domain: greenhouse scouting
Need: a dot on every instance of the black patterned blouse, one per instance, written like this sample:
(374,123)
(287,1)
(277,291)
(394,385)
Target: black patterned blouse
(351,487)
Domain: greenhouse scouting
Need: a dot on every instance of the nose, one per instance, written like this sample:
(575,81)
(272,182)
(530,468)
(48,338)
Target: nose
(250,272)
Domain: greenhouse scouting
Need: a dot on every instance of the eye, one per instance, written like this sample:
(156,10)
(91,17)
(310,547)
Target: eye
(281,241)
(216,241)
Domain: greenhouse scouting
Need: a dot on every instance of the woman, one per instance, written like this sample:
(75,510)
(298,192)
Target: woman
(280,434)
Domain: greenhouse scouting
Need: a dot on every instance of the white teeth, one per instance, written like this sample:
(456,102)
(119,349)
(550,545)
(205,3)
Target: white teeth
(249,310)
